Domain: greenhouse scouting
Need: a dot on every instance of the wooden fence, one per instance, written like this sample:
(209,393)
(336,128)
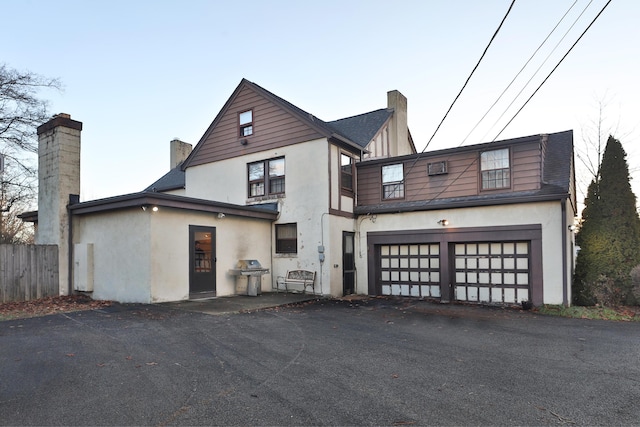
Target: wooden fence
(28,272)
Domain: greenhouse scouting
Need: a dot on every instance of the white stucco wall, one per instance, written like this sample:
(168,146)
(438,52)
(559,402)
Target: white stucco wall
(236,238)
(332,280)
(121,255)
(547,214)
(143,256)
(305,202)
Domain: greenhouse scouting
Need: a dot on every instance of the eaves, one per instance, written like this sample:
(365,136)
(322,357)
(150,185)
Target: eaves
(144,199)
(429,205)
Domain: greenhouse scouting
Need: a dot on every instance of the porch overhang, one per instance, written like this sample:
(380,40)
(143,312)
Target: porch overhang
(161,200)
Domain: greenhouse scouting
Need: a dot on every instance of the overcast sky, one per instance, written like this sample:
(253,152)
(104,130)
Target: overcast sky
(140,73)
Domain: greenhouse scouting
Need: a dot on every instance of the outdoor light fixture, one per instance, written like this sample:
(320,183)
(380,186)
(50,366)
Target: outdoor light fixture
(221,215)
(443,222)
(155,209)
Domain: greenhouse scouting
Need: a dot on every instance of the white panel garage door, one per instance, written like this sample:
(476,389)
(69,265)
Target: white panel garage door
(410,270)
(492,272)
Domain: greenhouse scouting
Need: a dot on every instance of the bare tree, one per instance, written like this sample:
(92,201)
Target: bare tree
(594,139)
(21,112)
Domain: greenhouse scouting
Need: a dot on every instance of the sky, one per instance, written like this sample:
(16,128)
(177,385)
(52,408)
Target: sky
(141,73)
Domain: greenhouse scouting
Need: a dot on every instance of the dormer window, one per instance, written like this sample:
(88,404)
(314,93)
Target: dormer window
(245,121)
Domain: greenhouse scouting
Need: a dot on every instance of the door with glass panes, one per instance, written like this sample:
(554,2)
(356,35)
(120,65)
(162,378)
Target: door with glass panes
(202,260)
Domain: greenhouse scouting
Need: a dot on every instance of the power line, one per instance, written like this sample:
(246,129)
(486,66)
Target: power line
(469,78)
(463,87)
(554,69)
(519,72)
(537,70)
(566,54)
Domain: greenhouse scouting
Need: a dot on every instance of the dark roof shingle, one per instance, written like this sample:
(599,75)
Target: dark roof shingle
(362,128)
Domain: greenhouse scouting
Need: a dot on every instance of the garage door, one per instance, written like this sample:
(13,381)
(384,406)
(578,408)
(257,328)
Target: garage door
(492,272)
(410,270)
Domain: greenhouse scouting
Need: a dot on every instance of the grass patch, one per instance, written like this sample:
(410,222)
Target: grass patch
(623,314)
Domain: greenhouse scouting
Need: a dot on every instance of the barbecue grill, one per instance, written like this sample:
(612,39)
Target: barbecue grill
(248,274)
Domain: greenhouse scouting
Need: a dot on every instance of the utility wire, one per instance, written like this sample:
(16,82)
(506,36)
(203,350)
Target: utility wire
(537,71)
(519,72)
(463,87)
(549,75)
(554,69)
(469,78)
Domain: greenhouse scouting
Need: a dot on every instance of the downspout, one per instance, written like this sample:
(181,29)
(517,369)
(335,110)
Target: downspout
(565,227)
(73,199)
(320,256)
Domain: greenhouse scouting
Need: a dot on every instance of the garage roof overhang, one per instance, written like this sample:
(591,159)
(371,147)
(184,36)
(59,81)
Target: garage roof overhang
(457,203)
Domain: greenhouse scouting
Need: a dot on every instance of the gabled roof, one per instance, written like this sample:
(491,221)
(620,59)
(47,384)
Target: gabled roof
(310,120)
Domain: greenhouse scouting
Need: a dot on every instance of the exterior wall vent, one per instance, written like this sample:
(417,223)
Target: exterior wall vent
(437,168)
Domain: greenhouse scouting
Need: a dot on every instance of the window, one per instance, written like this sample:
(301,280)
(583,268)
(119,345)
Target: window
(261,184)
(393,181)
(286,238)
(346,168)
(245,121)
(494,167)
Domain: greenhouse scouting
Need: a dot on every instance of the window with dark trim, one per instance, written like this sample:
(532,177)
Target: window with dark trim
(393,181)
(245,123)
(287,238)
(346,173)
(266,177)
(494,169)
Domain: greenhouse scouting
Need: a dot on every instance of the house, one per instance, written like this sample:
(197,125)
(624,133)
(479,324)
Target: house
(350,199)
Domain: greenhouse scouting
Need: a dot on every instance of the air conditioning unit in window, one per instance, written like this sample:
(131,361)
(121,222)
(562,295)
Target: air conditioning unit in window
(437,168)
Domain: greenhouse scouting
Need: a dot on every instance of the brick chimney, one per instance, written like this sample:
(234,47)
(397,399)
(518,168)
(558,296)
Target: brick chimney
(179,151)
(398,127)
(58,179)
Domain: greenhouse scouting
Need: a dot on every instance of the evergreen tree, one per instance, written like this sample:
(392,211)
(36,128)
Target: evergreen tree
(609,236)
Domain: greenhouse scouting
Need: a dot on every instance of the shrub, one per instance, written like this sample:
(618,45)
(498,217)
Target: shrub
(606,292)
(635,284)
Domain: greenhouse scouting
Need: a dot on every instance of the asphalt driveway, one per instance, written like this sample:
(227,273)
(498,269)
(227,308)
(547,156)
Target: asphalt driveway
(371,362)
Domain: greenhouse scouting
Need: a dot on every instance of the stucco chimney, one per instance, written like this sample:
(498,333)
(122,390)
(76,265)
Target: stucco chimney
(398,128)
(58,179)
(179,152)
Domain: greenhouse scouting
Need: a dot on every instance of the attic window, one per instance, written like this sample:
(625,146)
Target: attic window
(437,168)
(245,121)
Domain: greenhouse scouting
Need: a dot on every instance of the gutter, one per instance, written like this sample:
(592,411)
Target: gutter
(565,227)
(427,206)
(170,201)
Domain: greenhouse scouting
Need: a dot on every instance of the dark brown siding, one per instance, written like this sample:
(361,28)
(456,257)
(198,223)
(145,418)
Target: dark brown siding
(526,163)
(461,180)
(273,127)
